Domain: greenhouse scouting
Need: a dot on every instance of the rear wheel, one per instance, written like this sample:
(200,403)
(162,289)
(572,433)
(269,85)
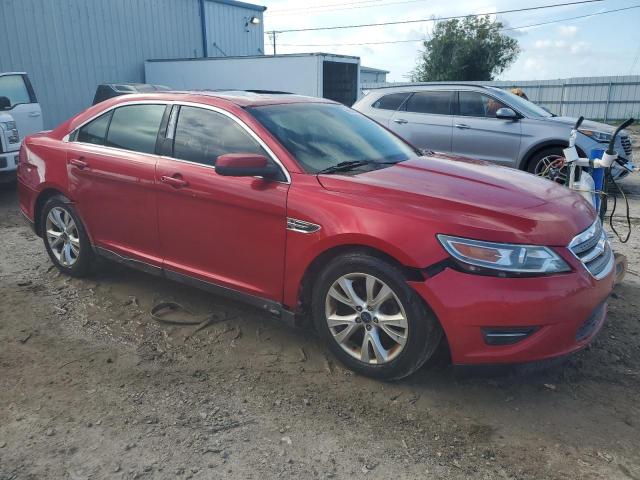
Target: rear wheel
(65,237)
(371,319)
(549,164)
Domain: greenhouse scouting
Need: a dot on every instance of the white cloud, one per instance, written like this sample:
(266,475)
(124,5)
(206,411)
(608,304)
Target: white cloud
(567,30)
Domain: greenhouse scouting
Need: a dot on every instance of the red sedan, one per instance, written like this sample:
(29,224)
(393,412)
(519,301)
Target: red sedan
(306,208)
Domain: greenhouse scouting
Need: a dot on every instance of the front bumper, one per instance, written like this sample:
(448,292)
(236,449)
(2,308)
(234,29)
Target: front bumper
(567,309)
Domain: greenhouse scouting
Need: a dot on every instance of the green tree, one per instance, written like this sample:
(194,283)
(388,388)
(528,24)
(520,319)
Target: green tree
(469,49)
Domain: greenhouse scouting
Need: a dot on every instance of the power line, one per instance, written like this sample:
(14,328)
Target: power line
(527,9)
(353,7)
(339,4)
(502,30)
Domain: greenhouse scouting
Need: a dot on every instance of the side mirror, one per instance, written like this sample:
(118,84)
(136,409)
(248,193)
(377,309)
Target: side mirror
(245,165)
(5,103)
(506,114)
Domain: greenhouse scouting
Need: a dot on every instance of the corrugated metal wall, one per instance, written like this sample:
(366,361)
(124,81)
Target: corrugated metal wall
(602,98)
(227,35)
(68,47)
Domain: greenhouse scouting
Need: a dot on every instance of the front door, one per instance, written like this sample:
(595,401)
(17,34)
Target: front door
(229,231)
(477,133)
(111,165)
(425,120)
(24,108)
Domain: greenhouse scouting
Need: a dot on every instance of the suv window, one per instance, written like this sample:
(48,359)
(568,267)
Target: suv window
(135,127)
(436,103)
(95,131)
(15,89)
(391,101)
(203,135)
(475,104)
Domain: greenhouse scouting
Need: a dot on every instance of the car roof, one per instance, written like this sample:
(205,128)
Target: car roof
(240,98)
(134,87)
(428,86)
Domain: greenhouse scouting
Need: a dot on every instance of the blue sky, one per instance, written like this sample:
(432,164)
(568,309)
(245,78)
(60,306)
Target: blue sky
(606,44)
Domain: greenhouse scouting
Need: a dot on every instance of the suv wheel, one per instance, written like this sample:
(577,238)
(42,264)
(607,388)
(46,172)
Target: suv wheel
(65,237)
(371,319)
(547,164)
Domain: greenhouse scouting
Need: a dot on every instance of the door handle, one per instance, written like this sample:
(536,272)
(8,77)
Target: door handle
(34,114)
(462,126)
(79,162)
(401,121)
(175,181)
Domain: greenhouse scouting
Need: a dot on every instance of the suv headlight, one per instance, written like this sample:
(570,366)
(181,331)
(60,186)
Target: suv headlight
(503,259)
(601,137)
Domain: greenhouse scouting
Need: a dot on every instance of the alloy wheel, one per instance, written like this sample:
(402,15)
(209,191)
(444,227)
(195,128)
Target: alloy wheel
(366,318)
(62,236)
(552,167)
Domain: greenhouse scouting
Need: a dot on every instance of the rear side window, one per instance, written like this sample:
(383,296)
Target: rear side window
(95,131)
(15,89)
(391,101)
(135,127)
(475,104)
(435,103)
(203,135)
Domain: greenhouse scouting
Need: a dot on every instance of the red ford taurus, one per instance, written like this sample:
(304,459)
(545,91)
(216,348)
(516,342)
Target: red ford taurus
(306,208)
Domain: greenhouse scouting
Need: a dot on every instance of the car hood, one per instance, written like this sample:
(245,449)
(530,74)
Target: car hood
(473,199)
(588,124)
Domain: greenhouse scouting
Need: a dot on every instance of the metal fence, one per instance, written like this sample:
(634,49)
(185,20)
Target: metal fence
(601,98)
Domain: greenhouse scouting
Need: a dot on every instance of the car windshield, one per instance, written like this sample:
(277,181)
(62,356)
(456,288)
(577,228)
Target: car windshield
(321,136)
(527,108)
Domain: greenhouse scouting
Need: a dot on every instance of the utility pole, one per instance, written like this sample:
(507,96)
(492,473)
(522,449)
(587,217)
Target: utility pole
(273,39)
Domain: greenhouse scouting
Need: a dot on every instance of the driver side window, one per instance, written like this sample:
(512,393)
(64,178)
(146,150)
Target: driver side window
(474,104)
(202,135)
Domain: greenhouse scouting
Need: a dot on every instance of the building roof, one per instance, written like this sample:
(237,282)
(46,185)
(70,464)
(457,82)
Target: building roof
(234,3)
(372,70)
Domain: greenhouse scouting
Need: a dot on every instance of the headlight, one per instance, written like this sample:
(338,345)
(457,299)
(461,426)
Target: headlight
(601,137)
(9,125)
(12,129)
(503,259)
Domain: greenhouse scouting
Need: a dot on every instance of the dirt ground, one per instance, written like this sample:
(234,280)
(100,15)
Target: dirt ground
(92,388)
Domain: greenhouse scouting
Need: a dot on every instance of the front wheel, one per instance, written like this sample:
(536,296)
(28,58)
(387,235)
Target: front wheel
(371,319)
(549,164)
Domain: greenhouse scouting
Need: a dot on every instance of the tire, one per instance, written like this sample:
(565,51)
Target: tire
(414,332)
(539,162)
(60,222)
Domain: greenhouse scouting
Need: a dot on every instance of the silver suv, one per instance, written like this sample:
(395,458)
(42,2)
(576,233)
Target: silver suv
(487,123)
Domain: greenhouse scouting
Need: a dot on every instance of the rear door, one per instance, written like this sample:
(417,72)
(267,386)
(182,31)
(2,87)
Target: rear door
(383,108)
(229,231)
(477,133)
(25,109)
(111,165)
(425,120)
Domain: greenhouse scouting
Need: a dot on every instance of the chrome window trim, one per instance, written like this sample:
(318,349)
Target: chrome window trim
(106,150)
(230,115)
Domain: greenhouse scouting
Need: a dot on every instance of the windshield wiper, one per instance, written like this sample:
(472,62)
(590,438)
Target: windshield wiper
(344,166)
